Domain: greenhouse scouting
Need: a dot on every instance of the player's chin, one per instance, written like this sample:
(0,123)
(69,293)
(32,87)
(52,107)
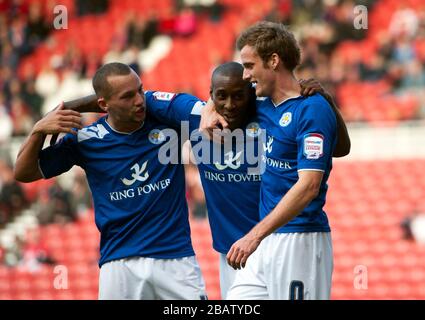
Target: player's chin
(259,92)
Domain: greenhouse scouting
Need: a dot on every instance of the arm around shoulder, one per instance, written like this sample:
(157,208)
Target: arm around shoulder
(343,144)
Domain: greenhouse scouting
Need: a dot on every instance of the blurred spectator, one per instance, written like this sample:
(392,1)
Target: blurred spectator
(9,57)
(32,99)
(185,23)
(414,76)
(34,252)
(56,206)
(403,50)
(414,227)
(213,8)
(404,22)
(343,24)
(134,27)
(74,60)
(140,31)
(6,124)
(280,12)
(13,253)
(21,116)
(114,53)
(37,26)
(85,7)
(215,11)
(131,57)
(2,251)
(81,193)
(151,29)
(373,69)
(12,196)
(18,35)
(47,81)
(90,65)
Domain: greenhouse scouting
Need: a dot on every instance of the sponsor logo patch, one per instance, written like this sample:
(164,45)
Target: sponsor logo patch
(313,146)
(230,161)
(138,174)
(269,146)
(163,96)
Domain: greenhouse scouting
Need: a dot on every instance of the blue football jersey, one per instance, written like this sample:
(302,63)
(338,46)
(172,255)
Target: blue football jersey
(230,174)
(139,203)
(301,135)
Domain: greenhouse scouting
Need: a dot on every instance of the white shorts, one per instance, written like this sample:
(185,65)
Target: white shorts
(227,276)
(287,266)
(141,278)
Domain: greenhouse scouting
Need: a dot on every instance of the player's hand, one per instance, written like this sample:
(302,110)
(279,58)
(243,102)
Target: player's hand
(211,122)
(310,87)
(59,120)
(241,250)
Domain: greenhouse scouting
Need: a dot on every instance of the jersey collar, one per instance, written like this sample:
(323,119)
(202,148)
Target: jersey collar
(120,132)
(280,103)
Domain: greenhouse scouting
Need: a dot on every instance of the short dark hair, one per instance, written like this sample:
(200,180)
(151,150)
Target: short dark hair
(100,82)
(229,69)
(271,37)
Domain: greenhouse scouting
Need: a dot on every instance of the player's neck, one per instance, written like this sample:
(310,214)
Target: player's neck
(286,87)
(123,127)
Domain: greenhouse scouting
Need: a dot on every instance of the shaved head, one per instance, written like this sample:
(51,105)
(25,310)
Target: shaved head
(100,80)
(229,69)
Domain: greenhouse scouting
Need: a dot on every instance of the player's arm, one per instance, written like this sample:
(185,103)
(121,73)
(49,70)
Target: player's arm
(172,108)
(85,104)
(343,145)
(57,121)
(292,203)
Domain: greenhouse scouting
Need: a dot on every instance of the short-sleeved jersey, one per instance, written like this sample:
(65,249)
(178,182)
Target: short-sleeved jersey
(301,135)
(231,189)
(139,203)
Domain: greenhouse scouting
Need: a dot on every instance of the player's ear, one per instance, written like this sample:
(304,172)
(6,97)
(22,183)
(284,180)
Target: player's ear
(102,104)
(211,92)
(274,61)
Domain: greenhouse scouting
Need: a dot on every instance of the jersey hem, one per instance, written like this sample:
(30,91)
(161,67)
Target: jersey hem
(177,256)
(303,230)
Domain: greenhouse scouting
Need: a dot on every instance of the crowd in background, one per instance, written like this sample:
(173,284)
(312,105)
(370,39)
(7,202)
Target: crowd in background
(319,25)
(322,25)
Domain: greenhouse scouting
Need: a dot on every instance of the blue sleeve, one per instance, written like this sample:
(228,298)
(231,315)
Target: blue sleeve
(59,158)
(316,134)
(171,108)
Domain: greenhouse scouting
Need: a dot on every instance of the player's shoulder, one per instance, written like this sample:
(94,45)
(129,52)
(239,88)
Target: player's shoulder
(314,100)
(315,105)
(97,130)
(165,96)
(160,95)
